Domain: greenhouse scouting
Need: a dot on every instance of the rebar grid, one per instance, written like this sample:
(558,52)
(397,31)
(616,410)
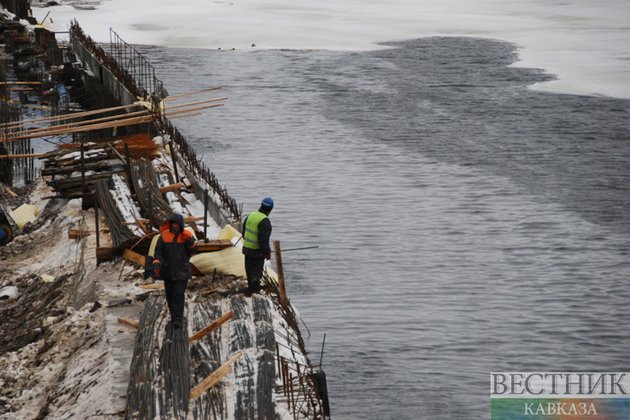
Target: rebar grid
(138,76)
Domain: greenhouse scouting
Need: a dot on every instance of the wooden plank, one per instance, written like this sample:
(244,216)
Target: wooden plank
(134,257)
(214,245)
(190,104)
(194,92)
(210,248)
(111,146)
(85,122)
(140,220)
(187,219)
(103,163)
(81,129)
(105,254)
(11,192)
(70,116)
(145,226)
(78,234)
(73,183)
(215,376)
(59,154)
(152,286)
(211,327)
(17,82)
(171,114)
(130,322)
(173,187)
(281,290)
(210,291)
(25,155)
(63,164)
(83,126)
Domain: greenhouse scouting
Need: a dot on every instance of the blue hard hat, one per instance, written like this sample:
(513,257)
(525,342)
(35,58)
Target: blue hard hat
(267,202)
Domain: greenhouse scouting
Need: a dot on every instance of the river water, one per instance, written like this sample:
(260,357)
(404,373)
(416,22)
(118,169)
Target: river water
(465,224)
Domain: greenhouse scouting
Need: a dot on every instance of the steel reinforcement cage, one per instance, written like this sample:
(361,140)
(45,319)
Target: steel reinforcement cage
(14,169)
(138,78)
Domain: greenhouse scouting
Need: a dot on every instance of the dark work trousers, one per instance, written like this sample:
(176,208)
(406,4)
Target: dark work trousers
(175,298)
(254,269)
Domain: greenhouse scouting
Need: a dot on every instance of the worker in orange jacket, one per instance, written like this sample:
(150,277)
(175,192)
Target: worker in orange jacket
(174,248)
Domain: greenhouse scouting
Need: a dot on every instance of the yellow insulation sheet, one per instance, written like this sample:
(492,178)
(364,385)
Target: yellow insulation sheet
(229,260)
(24,214)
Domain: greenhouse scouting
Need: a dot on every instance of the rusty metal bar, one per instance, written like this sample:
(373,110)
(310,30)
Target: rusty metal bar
(278,358)
(83,188)
(205,215)
(174,158)
(98,233)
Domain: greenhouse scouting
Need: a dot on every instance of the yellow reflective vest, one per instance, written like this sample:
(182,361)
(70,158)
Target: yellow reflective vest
(250,239)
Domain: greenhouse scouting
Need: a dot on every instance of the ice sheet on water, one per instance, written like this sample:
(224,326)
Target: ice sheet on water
(585,43)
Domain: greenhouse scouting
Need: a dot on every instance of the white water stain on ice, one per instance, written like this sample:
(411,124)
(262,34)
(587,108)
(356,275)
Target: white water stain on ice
(585,43)
(150,27)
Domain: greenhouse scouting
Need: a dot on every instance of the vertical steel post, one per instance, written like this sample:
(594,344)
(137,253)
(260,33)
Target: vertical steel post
(281,290)
(173,157)
(83,188)
(33,165)
(132,188)
(150,226)
(205,215)
(98,236)
(278,359)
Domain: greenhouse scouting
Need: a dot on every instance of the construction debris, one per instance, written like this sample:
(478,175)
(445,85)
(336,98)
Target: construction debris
(78,234)
(213,326)
(130,322)
(215,376)
(246,359)
(9,293)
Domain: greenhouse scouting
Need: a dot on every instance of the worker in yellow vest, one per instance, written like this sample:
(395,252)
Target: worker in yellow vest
(256,233)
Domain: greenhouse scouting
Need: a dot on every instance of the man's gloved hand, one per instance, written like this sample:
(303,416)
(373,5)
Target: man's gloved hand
(156,269)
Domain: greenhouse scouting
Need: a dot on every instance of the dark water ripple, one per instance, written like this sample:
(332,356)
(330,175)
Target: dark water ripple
(466,224)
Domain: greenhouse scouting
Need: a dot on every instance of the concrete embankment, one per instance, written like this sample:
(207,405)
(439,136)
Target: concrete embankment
(85,334)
